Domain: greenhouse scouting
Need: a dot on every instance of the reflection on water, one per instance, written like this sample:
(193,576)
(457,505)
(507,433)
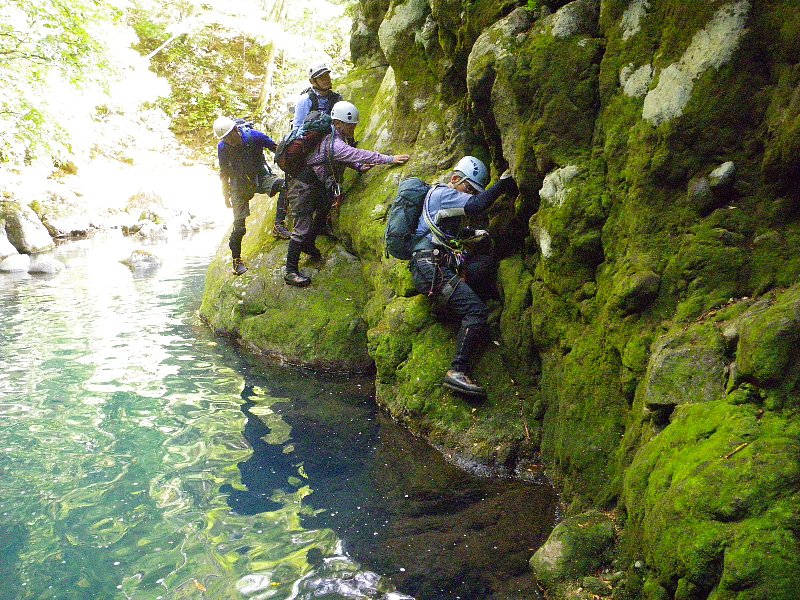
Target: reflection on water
(142,459)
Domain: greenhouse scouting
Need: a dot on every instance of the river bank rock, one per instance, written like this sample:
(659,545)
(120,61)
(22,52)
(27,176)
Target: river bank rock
(321,326)
(24,229)
(578,546)
(45,265)
(6,247)
(16,263)
(647,302)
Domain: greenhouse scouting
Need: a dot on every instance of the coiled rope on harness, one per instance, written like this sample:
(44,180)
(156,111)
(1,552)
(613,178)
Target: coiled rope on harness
(450,242)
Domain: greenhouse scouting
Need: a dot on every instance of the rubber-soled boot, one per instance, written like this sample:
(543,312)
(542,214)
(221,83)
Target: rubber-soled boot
(460,382)
(239,268)
(297,280)
(293,276)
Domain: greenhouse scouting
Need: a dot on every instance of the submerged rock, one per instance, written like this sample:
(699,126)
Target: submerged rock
(579,545)
(141,260)
(46,265)
(16,263)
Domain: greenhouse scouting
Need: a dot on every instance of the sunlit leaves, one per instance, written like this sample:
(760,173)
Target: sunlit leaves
(42,41)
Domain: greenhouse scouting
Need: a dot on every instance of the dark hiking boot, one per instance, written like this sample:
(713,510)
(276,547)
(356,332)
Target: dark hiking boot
(239,268)
(460,382)
(280,231)
(296,279)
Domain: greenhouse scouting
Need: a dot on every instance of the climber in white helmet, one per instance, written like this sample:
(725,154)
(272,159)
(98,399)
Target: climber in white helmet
(312,193)
(454,280)
(243,173)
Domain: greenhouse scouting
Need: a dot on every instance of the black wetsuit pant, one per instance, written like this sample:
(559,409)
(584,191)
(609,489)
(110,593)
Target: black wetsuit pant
(434,275)
(311,203)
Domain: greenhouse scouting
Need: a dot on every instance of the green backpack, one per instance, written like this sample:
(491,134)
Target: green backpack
(404,213)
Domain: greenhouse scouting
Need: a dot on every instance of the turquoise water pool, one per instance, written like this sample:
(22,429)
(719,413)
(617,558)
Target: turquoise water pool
(144,458)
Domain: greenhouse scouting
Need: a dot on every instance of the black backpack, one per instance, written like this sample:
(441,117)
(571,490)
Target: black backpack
(404,213)
(293,150)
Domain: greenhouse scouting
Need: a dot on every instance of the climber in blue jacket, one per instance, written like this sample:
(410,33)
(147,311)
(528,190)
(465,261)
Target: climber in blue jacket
(445,274)
(243,173)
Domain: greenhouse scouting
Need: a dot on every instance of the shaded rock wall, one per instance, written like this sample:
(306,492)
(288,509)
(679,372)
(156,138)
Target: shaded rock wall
(646,337)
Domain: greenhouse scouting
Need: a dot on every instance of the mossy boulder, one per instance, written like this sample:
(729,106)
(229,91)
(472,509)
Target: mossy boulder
(365,48)
(712,502)
(304,326)
(579,545)
(23,228)
(543,94)
(685,367)
(766,352)
(6,247)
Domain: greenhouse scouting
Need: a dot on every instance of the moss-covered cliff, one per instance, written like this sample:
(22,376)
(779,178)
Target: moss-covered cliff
(650,313)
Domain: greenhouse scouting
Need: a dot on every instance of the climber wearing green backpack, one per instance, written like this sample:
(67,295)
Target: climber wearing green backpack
(443,272)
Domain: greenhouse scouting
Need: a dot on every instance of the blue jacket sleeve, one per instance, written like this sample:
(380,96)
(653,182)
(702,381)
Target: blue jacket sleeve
(478,204)
(223,164)
(261,139)
(301,110)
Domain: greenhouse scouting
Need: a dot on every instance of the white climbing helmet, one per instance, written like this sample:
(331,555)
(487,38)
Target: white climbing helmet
(223,126)
(316,70)
(473,171)
(345,112)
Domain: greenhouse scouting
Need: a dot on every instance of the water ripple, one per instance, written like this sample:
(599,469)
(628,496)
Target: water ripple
(143,459)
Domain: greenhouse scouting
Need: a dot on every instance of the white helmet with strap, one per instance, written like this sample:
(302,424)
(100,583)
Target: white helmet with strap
(345,112)
(223,126)
(474,171)
(316,70)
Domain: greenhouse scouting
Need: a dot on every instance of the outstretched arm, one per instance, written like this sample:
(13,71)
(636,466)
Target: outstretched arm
(356,158)
(479,203)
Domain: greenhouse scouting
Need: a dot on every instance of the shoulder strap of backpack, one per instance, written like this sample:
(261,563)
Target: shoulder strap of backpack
(337,189)
(441,237)
(313,98)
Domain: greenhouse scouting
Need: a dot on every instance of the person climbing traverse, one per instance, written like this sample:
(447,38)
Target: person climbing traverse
(243,173)
(443,273)
(320,96)
(311,194)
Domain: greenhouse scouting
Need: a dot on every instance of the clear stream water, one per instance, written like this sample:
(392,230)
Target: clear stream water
(141,457)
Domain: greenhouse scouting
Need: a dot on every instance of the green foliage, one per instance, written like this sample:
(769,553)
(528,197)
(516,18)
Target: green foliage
(223,58)
(44,45)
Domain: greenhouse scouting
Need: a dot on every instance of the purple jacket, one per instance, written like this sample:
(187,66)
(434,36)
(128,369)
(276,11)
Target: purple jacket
(343,155)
